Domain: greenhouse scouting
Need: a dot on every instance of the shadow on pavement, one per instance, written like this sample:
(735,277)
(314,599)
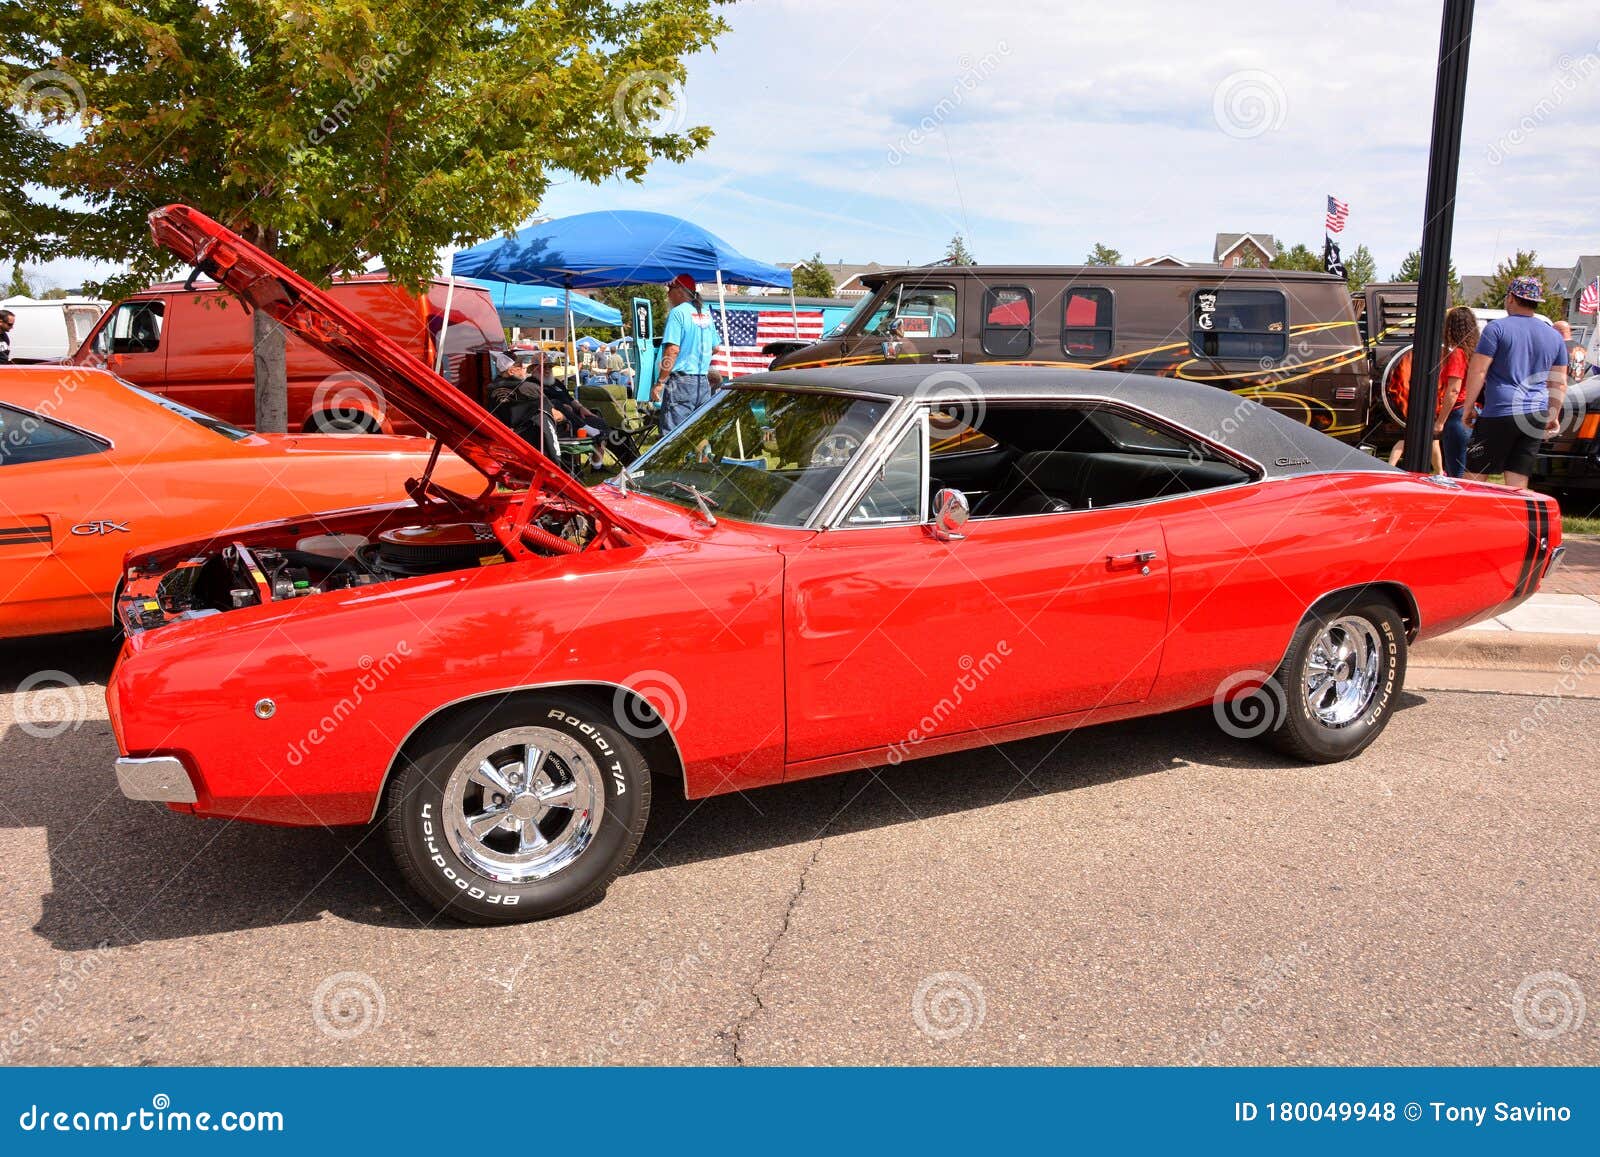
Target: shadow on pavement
(122,872)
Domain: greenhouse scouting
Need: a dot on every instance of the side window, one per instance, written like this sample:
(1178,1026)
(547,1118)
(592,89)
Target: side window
(921,311)
(1008,322)
(1240,323)
(895,495)
(1086,322)
(26,437)
(135,328)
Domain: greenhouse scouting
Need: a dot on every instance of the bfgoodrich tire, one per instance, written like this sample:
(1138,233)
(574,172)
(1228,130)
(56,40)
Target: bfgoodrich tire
(1339,680)
(520,811)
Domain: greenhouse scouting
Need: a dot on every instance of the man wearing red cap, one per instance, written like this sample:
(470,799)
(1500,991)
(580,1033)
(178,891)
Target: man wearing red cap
(689,340)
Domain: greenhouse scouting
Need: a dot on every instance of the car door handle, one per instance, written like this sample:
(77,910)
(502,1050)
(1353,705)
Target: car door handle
(1139,558)
(943,356)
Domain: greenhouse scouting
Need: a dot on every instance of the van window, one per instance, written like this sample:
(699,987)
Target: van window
(1008,322)
(1240,323)
(26,437)
(1086,322)
(135,328)
(920,311)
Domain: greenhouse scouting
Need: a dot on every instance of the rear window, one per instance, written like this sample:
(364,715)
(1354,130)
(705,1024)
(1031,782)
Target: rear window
(198,417)
(1008,322)
(1240,323)
(1086,322)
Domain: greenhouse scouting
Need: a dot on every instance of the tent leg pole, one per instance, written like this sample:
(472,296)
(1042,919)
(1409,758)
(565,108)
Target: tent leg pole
(794,313)
(727,354)
(444,327)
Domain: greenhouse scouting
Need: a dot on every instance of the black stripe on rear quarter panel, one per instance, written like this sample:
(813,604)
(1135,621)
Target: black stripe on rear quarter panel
(1542,546)
(25,534)
(1528,550)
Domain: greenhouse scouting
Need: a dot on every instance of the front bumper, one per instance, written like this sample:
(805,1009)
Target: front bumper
(162,779)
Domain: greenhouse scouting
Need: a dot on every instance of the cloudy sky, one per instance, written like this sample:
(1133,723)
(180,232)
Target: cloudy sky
(874,131)
(1147,125)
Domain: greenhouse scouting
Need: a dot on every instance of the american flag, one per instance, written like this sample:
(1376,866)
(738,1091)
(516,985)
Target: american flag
(1589,299)
(750,329)
(1338,214)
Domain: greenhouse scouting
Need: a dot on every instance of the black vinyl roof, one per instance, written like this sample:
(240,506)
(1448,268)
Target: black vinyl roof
(1281,445)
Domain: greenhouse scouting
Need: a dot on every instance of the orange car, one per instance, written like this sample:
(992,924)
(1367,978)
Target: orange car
(91,467)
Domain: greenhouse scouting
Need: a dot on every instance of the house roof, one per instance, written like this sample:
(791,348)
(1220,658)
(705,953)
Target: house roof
(1226,243)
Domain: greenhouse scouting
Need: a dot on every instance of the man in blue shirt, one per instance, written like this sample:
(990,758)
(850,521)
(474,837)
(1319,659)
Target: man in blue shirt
(689,340)
(1520,367)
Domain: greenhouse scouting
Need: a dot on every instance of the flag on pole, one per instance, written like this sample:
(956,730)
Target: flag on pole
(1589,300)
(1338,214)
(1331,261)
(751,329)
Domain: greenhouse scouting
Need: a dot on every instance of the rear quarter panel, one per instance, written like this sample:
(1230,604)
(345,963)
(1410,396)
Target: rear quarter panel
(696,628)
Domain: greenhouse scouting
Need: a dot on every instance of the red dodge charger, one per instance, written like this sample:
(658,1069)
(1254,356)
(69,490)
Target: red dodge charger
(820,571)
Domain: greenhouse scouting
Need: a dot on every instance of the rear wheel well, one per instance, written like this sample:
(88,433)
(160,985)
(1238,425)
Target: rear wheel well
(1397,595)
(643,725)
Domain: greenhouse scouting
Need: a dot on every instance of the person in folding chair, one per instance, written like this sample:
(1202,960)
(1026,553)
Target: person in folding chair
(687,344)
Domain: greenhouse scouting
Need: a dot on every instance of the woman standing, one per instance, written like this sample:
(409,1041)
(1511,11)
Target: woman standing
(1460,339)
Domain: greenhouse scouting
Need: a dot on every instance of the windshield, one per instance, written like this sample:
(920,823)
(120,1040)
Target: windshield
(766,456)
(854,315)
(198,417)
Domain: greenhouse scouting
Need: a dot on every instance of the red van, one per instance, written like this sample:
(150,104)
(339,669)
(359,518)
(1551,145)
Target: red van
(195,346)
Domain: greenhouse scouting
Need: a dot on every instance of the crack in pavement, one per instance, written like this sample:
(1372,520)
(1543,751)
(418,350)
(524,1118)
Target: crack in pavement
(735,1033)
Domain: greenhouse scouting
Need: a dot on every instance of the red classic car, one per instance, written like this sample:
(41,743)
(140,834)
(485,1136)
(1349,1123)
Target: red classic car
(820,571)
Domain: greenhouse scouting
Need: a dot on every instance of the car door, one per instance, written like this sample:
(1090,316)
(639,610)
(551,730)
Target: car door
(918,324)
(895,636)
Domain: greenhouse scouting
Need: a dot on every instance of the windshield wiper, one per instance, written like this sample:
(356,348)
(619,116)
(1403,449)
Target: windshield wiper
(701,499)
(620,481)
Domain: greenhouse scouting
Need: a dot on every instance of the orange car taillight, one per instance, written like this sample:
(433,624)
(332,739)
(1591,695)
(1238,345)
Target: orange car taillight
(1590,427)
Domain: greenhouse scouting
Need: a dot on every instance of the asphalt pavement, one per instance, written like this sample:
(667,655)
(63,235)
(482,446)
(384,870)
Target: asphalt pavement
(1152,892)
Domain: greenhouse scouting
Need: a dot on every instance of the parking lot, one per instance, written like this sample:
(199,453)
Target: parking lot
(1149,893)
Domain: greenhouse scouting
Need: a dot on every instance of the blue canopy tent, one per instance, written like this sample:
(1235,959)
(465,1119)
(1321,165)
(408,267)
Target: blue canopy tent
(531,306)
(626,247)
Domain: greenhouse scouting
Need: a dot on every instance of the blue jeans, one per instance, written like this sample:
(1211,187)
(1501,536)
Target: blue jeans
(1453,443)
(682,396)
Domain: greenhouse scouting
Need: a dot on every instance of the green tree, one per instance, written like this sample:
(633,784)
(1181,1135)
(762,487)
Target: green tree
(1360,268)
(812,278)
(1299,256)
(1103,255)
(328,132)
(1250,259)
(1524,263)
(1411,270)
(621,297)
(957,253)
(19,285)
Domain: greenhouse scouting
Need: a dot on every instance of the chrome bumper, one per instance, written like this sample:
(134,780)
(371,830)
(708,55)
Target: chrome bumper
(162,779)
(1555,560)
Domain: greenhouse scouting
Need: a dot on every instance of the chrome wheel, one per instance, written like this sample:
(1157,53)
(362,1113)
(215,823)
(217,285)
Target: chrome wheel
(523,804)
(1342,671)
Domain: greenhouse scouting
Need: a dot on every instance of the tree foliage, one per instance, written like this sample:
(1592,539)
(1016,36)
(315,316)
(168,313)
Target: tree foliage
(330,131)
(1524,263)
(812,278)
(1103,255)
(621,297)
(957,253)
(1360,268)
(1411,270)
(1299,256)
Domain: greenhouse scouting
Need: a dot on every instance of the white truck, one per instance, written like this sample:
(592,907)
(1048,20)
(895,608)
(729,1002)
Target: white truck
(50,330)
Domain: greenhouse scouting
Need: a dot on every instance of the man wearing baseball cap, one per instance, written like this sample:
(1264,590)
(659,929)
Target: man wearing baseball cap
(687,343)
(1520,368)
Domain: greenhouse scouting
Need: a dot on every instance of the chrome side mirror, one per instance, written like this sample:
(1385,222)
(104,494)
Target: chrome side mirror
(950,513)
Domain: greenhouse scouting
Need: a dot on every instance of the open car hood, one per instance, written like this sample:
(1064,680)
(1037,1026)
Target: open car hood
(444,411)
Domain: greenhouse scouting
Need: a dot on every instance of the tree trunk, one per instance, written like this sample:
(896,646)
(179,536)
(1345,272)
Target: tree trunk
(272,376)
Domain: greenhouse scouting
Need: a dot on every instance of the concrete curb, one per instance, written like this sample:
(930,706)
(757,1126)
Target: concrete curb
(1506,651)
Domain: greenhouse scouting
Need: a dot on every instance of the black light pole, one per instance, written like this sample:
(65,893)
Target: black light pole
(1438,223)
